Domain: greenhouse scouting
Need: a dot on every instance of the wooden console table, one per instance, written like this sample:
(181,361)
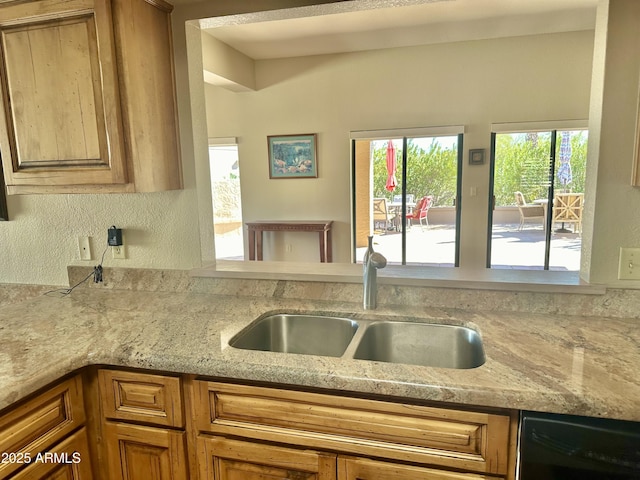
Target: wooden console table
(322,227)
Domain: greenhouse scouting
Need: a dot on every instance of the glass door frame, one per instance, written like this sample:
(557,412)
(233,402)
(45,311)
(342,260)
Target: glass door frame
(553,128)
(405,135)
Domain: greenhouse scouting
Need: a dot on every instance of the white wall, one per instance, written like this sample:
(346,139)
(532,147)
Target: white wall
(612,203)
(476,83)
(40,240)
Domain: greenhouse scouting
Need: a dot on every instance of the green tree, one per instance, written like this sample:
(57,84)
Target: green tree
(429,172)
(522,164)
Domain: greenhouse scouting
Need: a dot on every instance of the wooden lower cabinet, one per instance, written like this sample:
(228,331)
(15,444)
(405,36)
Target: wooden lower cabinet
(226,459)
(442,440)
(40,425)
(366,469)
(69,460)
(136,452)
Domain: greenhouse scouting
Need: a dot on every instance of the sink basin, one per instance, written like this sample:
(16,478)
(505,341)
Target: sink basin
(430,345)
(305,334)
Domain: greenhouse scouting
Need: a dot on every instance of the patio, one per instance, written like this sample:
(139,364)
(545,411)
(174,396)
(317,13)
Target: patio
(511,249)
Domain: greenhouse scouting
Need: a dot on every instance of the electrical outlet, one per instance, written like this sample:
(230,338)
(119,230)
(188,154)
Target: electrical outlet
(118,252)
(629,267)
(84,246)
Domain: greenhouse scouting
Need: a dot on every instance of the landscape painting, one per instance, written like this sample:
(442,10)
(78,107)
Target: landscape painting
(292,156)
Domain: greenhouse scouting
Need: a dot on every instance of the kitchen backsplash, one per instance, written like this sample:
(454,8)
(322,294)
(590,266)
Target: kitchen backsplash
(615,303)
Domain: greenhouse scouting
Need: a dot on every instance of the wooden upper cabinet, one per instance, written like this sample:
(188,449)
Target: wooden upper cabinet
(89,97)
(145,67)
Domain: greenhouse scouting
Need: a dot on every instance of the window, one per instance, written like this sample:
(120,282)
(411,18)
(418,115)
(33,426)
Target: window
(227,208)
(537,181)
(406,195)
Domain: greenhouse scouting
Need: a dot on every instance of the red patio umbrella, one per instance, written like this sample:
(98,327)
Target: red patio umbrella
(391,167)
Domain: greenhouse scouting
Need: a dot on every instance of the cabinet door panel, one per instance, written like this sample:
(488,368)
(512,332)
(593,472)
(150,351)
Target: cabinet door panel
(71,463)
(144,453)
(224,459)
(41,422)
(365,469)
(62,122)
(54,121)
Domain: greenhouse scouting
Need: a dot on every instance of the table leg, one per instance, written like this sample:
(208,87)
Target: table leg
(323,247)
(323,257)
(259,245)
(252,244)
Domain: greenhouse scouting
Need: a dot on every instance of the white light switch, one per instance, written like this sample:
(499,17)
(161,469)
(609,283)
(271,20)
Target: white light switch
(629,267)
(84,247)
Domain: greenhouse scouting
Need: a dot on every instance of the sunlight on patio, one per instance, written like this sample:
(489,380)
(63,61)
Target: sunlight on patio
(512,249)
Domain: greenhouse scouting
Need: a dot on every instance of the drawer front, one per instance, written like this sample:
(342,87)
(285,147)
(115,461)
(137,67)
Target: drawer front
(71,461)
(365,469)
(226,459)
(138,397)
(468,440)
(39,423)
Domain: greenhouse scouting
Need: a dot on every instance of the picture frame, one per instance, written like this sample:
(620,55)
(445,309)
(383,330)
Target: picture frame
(293,156)
(476,156)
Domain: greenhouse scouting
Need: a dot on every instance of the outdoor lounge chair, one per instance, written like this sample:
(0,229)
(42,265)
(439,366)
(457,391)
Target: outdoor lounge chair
(528,212)
(567,208)
(421,210)
(382,218)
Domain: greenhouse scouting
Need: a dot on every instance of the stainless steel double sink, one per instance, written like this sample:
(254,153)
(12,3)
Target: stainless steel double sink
(407,342)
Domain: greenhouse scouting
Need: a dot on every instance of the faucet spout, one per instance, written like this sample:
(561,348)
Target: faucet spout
(372,262)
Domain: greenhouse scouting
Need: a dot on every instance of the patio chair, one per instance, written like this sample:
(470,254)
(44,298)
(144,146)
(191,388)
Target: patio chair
(567,208)
(421,210)
(528,212)
(382,218)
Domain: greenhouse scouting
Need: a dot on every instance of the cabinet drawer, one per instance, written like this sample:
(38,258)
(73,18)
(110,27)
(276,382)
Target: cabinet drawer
(365,469)
(138,397)
(466,440)
(72,461)
(39,423)
(225,459)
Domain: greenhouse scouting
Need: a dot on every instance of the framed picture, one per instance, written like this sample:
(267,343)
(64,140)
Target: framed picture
(476,156)
(292,156)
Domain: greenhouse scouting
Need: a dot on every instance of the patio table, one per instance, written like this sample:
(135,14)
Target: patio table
(395,208)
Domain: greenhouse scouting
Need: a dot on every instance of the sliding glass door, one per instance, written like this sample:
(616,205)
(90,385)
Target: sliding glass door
(406,194)
(536,200)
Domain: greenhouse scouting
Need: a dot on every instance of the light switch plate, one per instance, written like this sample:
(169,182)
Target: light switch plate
(629,267)
(84,246)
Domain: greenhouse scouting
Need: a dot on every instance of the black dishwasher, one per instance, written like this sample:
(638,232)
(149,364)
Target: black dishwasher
(566,447)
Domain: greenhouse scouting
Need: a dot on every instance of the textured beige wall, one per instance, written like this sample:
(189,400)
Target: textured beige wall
(613,204)
(476,83)
(40,240)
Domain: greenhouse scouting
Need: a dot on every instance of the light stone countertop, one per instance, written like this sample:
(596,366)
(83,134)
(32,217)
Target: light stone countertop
(562,364)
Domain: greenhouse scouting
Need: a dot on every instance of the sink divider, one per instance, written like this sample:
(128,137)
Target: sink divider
(355,340)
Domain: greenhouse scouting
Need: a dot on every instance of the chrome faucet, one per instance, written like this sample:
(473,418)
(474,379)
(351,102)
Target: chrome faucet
(371,263)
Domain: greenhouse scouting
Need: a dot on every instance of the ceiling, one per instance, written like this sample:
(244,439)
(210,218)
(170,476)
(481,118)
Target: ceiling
(372,24)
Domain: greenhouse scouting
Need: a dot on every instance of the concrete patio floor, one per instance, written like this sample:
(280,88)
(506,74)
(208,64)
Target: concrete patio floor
(511,249)
(435,246)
